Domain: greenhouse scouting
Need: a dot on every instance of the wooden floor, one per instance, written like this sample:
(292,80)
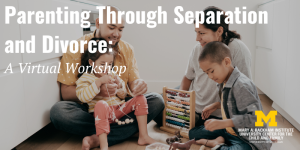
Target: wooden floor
(51,139)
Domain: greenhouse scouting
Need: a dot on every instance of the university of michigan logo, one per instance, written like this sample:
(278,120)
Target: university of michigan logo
(261,116)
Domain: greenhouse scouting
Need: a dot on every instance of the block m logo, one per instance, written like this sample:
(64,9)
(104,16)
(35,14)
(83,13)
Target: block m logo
(261,116)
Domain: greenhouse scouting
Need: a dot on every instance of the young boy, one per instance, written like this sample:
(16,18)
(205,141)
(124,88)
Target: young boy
(239,101)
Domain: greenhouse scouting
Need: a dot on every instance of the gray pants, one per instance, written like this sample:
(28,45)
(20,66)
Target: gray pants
(74,118)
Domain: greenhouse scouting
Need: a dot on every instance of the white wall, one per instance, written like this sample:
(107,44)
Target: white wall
(28,97)
(162,52)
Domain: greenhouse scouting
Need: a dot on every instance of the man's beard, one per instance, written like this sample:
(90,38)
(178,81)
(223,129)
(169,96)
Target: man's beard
(113,46)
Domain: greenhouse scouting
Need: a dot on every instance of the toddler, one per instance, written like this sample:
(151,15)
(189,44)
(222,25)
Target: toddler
(107,110)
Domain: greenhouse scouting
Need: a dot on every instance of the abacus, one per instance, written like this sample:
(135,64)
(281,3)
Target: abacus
(179,112)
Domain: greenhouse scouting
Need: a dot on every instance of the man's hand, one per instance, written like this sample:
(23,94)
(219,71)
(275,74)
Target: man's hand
(138,87)
(111,88)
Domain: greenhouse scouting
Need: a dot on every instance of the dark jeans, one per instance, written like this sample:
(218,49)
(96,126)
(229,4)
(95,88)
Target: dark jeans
(74,118)
(199,121)
(233,142)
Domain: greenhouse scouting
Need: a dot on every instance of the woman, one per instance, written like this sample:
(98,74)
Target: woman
(197,80)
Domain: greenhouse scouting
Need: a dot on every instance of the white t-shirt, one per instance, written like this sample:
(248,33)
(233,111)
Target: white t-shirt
(206,89)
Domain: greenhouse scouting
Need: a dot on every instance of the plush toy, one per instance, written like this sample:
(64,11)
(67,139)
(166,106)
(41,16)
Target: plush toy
(177,133)
(175,138)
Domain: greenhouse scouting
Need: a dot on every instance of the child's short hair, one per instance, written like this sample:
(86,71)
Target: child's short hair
(215,52)
(93,56)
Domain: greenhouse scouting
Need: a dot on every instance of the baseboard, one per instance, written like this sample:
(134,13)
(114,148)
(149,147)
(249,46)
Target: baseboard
(157,86)
(259,91)
(286,116)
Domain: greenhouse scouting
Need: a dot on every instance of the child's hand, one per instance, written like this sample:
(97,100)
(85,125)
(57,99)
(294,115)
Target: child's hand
(273,140)
(117,81)
(207,111)
(214,124)
(106,79)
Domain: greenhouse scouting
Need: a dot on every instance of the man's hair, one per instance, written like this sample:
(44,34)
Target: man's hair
(215,52)
(112,8)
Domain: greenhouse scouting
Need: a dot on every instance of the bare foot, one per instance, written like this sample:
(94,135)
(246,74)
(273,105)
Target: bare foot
(218,141)
(182,146)
(211,143)
(89,142)
(145,140)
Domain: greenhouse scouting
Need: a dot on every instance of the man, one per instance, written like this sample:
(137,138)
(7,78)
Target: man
(72,116)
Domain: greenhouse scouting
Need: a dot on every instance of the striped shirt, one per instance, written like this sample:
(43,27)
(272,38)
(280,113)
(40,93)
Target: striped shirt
(87,91)
(124,57)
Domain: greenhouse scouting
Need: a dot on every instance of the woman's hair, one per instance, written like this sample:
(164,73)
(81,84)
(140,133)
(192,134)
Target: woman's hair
(227,35)
(86,56)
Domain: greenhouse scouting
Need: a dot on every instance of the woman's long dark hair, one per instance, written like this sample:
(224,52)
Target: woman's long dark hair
(93,56)
(227,35)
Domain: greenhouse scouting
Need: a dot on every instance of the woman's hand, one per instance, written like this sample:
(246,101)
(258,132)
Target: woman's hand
(208,110)
(138,87)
